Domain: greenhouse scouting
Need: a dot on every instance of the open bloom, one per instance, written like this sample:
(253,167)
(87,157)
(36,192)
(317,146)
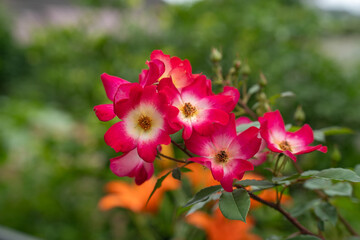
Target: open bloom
(224,152)
(218,227)
(290,143)
(144,122)
(197,109)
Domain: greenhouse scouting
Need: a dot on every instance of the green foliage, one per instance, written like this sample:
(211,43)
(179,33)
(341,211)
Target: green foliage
(158,185)
(335,174)
(176,173)
(54,162)
(256,185)
(235,205)
(203,195)
(304,237)
(337,189)
(243,127)
(326,212)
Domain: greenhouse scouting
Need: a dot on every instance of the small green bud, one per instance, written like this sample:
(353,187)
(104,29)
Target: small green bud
(237,64)
(215,55)
(232,70)
(299,115)
(262,97)
(245,70)
(263,80)
(336,154)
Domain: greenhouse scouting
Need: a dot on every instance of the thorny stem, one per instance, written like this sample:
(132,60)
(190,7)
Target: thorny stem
(325,198)
(182,149)
(171,158)
(247,109)
(278,208)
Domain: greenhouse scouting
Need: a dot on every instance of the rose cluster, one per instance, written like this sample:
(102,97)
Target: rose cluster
(167,98)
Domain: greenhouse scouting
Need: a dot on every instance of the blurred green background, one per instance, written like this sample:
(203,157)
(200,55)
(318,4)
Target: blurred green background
(53,160)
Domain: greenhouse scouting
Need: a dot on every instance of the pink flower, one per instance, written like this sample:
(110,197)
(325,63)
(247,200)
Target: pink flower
(105,112)
(153,74)
(290,143)
(178,70)
(261,156)
(130,164)
(197,109)
(144,121)
(224,152)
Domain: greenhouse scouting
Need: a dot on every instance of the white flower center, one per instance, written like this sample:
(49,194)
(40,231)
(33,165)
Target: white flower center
(144,122)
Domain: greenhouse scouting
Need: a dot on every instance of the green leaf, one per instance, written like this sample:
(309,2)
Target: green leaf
(254,89)
(289,127)
(287,94)
(339,174)
(176,173)
(339,189)
(319,136)
(273,98)
(181,210)
(309,173)
(257,185)
(285,179)
(185,170)
(203,195)
(304,237)
(353,238)
(196,206)
(336,131)
(357,169)
(326,212)
(199,205)
(318,183)
(235,205)
(243,127)
(321,225)
(273,237)
(302,208)
(157,185)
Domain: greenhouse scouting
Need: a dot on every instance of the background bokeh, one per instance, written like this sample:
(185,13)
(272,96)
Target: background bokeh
(53,160)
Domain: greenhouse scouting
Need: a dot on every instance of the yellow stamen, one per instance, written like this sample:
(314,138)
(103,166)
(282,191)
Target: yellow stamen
(285,146)
(188,110)
(222,157)
(144,122)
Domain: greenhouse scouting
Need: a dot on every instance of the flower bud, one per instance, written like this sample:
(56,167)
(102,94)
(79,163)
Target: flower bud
(232,71)
(237,64)
(299,115)
(262,97)
(245,70)
(215,55)
(336,154)
(263,80)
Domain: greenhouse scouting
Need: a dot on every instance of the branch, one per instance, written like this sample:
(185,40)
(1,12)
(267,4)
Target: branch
(171,158)
(182,149)
(325,198)
(278,208)
(247,109)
